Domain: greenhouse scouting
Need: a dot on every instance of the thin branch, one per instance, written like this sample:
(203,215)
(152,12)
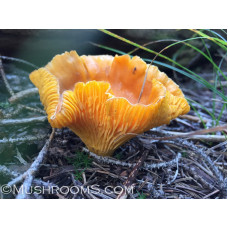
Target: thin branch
(133,174)
(22,94)
(193,118)
(19,109)
(6,171)
(9,122)
(208,138)
(22,139)
(201,152)
(145,166)
(33,109)
(149,139)
(163,164)
(176,173)
(20,61)
(42,183)
(2,72)
(28,176)
(210,194)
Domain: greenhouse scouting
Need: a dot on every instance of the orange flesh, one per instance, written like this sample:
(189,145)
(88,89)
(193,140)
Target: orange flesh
(125,75)
(86,94)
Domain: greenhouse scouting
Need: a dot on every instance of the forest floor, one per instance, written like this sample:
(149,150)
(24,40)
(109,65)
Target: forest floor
(161,163)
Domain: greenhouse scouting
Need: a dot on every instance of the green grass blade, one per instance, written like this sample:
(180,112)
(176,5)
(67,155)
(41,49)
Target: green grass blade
(217,34)
(218,41)
(204,108)
(191,74)
(198,50)
(108,48)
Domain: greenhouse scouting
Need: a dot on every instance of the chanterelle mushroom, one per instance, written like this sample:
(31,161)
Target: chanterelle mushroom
(97,98)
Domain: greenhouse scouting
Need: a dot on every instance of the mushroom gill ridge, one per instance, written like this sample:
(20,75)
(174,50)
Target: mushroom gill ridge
(96,97)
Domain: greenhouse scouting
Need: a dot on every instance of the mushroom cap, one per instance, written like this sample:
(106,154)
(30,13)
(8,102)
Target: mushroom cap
(97,98)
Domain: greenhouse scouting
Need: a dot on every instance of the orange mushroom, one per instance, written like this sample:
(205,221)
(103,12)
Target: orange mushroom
(97,98)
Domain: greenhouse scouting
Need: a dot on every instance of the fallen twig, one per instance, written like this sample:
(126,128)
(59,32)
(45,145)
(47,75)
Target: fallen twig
(210,194)
(28,176)
(133,174)
(145,166)
(33,109)
(176,173)
(78,183)
(22,139)
(7,171)
(212,149)
(184,135)
(202,154)
(19,109)
(9,89)
(9,122)
(20,61)
(208,138)
(162,164)
(22,94)
(192,118)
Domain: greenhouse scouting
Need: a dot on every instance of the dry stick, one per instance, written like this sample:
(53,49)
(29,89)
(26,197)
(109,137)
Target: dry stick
(162,164)
(212,149)
(210,138)
(77,183)
(28,176)
(6,171)
(22,94)
(192,118)
(22,139)
(43,183)
(9,122)
(108,160)
(13,113)
(33,109)
(201,152)
(176,173)
(145,166)
(28,179)
(196,176)
(197,150)
(210,194)
(20,61)
(184,135)
(133,174)
(5,79)
(20,108)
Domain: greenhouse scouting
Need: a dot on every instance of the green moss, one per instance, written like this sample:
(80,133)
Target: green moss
(81,162)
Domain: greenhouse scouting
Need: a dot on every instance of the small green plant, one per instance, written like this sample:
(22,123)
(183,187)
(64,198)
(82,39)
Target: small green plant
(184,154)
(4,105)
(81,162)
(141,195)
(118,156)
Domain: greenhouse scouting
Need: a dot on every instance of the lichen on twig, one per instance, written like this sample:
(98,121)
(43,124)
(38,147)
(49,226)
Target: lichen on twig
(22,94)
(22,139)
(7,85)
(145,166)
(28,176)
(9,122)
